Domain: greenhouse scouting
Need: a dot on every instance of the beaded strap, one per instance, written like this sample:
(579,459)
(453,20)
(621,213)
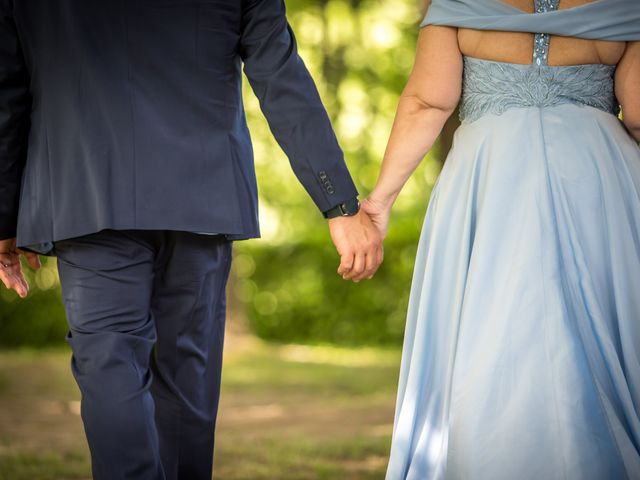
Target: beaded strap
(541,41)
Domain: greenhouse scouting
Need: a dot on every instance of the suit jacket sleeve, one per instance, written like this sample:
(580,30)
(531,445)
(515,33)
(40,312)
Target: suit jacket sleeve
(291,103)
(15,108)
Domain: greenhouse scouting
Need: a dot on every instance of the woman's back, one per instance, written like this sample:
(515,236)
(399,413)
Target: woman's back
(517,47)
(595,84)
(505,70)
(443,50)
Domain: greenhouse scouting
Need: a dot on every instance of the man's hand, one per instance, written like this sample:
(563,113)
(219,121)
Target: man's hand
(359,245)
(10,268)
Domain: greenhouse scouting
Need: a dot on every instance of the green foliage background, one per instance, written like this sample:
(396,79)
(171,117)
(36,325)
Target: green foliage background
(360,53)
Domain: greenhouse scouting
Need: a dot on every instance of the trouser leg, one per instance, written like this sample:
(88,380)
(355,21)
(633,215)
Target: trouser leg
(107,280)
(188,304)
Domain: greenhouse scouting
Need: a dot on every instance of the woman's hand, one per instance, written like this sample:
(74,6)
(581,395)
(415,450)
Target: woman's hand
(10,268)
(378,212)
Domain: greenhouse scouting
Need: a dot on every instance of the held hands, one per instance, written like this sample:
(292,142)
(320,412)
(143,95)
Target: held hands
(359,245)
(378,212)
(10,268)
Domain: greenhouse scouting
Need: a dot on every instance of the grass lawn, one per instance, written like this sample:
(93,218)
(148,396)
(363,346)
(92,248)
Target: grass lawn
(286,412)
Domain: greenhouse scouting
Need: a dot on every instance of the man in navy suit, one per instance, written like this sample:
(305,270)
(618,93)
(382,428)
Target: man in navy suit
(124,151)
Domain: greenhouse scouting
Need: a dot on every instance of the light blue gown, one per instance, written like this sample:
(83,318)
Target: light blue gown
(521,356)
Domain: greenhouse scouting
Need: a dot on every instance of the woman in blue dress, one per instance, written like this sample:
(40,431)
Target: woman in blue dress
(521,356)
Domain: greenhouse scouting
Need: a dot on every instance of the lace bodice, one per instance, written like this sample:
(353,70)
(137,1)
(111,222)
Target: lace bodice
(494,87)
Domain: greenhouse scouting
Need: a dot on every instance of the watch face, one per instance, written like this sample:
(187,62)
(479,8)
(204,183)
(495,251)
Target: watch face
(350,207)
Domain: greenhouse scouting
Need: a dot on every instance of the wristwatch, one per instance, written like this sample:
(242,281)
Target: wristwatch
(346,209)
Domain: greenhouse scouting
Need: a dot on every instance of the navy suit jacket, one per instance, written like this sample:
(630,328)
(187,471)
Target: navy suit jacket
(128,114)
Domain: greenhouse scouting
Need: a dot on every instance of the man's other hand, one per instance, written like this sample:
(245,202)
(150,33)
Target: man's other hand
(10,268)
(359,245)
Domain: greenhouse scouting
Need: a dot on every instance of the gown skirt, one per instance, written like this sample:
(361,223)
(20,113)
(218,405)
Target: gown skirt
(521,353)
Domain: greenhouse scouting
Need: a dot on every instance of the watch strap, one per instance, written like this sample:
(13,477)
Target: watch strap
(345,209)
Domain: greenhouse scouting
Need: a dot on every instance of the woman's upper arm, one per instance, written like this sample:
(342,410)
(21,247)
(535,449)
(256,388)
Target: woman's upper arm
(628,85)
(436,78)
